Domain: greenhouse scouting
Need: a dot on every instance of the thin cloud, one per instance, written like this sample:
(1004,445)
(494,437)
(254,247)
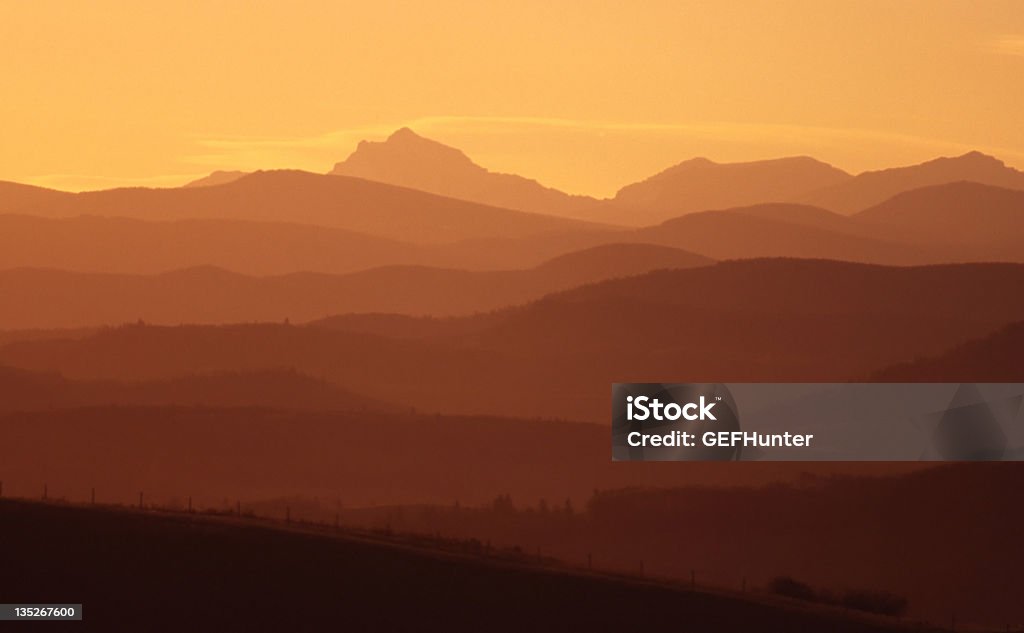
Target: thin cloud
(256,152)
(317,153)
(1008,45)
(89,182)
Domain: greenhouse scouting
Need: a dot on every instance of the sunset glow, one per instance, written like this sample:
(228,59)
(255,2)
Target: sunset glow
(582,96)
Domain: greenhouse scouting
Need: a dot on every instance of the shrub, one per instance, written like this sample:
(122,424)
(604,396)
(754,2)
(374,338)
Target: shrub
(880,602)
(786,586)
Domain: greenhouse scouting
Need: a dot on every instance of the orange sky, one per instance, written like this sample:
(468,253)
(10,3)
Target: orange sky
(584,95)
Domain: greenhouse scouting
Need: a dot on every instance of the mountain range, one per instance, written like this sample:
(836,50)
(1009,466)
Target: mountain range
(700,184)
(874,187)
(413,201)
(956,222)
(437,193)
(409,160)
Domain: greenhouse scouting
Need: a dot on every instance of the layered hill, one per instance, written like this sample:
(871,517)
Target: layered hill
(888,533)
(18,198)
(274,388)
(956,222)
(351,204)
(966,219)
(126,246)
(362,458)
(218,177)
(992,358)
(122,566)
(409,160)
(782,230)
(755,320)
(37,298)
(874,187)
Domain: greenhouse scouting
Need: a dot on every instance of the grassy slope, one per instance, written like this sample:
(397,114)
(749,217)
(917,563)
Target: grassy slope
(150,572)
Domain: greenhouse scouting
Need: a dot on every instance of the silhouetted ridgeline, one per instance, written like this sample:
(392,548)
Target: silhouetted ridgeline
(50,298)
(873,187)
(123,566)
(998,357)
(767,320)
(700,184)
(409,160)
(358,458)
(277,388)
(340,202)
(941,223)
(909,535)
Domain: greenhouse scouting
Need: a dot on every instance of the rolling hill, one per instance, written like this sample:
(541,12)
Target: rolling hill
(780,231)
(126,246)
(122,566)
(274,388)
(216,178)
(992,358)
(351,204)
(957,222)
(753,320)
(56,299)
(974,220)
(360,458)
(18,198)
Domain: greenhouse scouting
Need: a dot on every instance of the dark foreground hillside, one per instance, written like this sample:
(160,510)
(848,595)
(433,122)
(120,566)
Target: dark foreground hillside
(158,573)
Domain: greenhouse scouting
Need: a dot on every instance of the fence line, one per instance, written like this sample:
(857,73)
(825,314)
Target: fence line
(470,546)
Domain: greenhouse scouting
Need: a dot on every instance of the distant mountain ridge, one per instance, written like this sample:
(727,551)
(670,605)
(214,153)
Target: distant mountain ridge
(700,184)
(409,160)
(874,187)
(352,204)
(384,179)
(955,222)
(216,178)
(694,185)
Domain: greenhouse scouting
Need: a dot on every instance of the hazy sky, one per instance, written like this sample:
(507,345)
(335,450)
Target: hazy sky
(581,95)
